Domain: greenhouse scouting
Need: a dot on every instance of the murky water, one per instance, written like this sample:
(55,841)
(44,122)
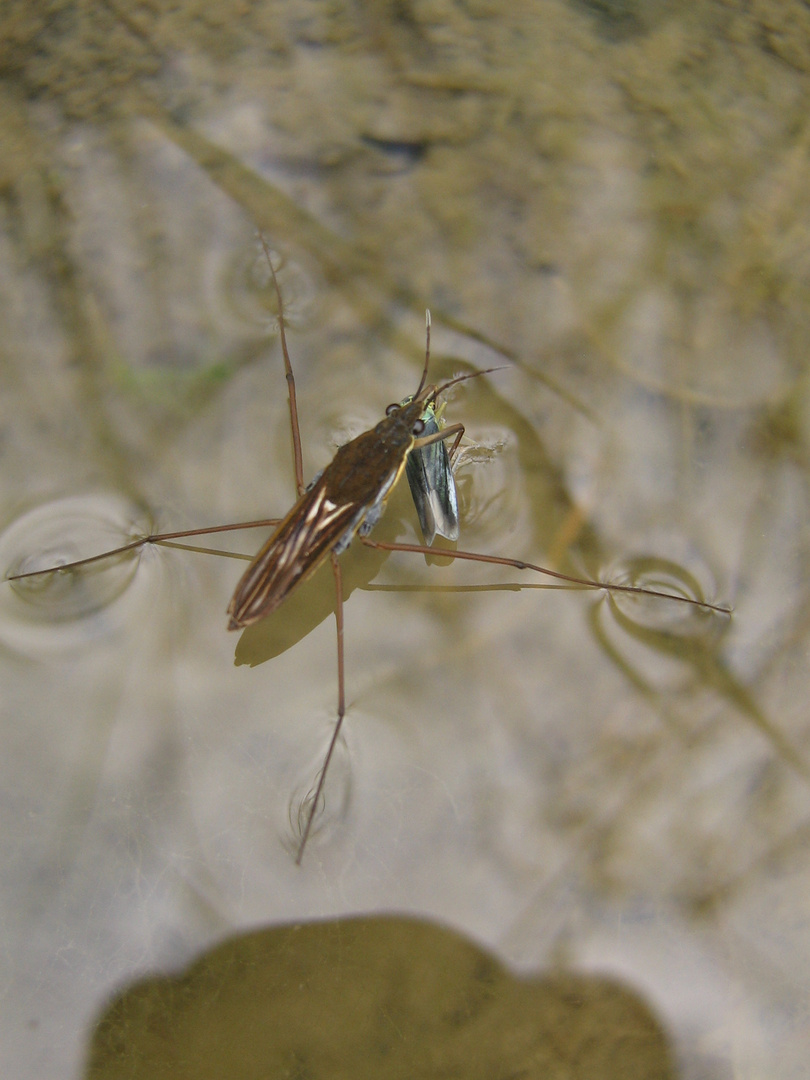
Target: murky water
(613,206)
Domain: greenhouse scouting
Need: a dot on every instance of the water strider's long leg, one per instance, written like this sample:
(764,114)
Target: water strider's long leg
(521,564)
(295,429)
(341,711)
(153,538)
(300,486)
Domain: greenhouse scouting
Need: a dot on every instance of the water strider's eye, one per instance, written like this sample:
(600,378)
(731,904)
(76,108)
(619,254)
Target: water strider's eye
(392,409)
(418,427)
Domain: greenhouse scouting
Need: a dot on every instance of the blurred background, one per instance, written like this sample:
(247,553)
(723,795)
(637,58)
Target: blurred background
(609,199)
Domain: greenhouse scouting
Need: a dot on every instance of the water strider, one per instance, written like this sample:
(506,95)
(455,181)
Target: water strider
(346,500)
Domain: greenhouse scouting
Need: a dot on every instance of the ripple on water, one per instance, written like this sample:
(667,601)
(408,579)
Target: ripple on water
(65,608)
(663,614)
(660,641)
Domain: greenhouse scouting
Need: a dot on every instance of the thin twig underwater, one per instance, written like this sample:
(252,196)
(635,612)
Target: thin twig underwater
(346,500)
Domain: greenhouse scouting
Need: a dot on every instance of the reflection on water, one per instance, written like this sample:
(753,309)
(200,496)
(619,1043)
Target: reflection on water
(614,201)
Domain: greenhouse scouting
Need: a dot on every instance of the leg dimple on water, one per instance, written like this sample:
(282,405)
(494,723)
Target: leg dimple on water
(333,801)
(63,602)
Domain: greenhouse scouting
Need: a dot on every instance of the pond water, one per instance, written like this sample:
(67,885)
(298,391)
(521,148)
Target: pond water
(611,201)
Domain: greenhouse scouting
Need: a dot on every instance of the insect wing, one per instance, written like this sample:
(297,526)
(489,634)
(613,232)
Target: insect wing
(433,489)
(352,488)
(293,553)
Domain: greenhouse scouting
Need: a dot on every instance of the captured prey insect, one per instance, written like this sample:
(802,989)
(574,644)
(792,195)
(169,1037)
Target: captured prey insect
(429,470)
(346,500)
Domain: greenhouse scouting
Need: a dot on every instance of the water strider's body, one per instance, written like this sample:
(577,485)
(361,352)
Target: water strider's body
(348,497)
